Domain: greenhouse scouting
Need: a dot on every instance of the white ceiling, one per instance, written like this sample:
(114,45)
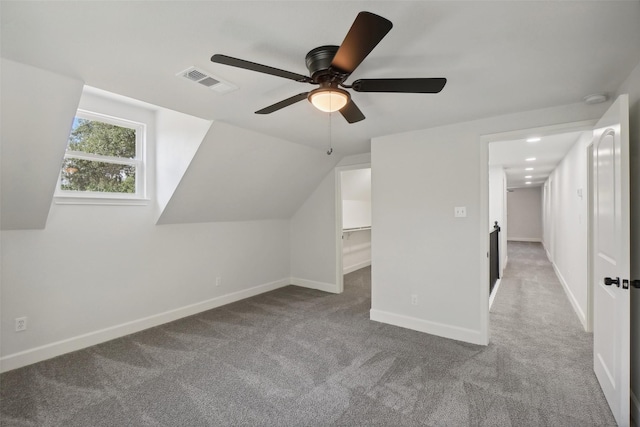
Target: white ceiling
(499,57)
(547,152)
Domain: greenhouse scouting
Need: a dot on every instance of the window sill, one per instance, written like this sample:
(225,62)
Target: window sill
(99,200)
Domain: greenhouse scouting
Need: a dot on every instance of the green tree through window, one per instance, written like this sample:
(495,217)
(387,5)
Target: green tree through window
(100,157)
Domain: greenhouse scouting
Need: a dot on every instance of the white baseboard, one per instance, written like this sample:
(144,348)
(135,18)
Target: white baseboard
(312,284)
(503,267)
(494,292)
(571,297)
(433,328)
(47,351)
(635,408)
(358,266)
(524,239)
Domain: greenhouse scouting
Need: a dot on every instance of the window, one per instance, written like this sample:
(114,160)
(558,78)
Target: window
(104,159)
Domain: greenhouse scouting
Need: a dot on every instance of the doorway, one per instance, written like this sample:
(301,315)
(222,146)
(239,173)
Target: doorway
(353,208)
(546,171)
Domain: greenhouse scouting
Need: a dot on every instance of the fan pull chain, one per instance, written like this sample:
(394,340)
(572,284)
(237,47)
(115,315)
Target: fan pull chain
(330,133)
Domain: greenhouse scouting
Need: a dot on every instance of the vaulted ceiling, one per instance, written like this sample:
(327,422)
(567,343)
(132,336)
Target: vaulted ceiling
(499,57)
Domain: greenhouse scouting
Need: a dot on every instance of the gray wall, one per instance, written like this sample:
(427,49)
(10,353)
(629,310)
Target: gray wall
(524,214)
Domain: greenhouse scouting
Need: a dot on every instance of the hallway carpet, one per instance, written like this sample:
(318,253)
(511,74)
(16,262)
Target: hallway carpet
(300,357)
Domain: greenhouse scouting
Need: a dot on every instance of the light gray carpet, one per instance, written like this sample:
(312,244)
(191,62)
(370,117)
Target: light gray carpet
(299,357)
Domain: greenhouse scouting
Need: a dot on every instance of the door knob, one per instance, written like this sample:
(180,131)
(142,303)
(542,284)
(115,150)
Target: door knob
(609,281)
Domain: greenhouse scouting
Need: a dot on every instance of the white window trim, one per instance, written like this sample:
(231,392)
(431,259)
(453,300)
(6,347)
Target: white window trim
(104,198)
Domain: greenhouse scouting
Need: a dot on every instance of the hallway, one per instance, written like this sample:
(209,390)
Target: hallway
(544,355)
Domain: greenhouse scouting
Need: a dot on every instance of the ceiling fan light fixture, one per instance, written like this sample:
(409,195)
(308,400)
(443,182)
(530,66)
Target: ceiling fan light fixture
(329,99)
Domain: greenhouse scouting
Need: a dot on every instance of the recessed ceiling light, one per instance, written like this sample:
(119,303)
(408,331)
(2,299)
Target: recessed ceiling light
(528,176)
(528,182)
(529,169)
(530,159)
(535,139)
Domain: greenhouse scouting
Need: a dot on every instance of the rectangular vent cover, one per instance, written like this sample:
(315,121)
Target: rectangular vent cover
(200,76)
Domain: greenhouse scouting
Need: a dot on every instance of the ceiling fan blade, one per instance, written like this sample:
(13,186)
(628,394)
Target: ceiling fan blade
(366,32)
(284,103)
(351,112)
(426,85)
(247,65)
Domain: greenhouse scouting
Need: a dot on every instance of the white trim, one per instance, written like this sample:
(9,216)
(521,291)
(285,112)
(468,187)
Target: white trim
(339,235)
(485,243)
(340,269)
(494,292)
(504,267)
(47,351)
(103,200)
(590,237)
(586,125)
(524,239)
(571,297)
(447,331)
(139,162)
(312,284)
(357,266)
(635,408)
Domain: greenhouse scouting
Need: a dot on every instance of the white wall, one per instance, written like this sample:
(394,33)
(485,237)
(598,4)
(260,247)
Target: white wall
(104,270)
(632,87)
(524,213)
(567,204)
(37,109)
(356,198)
(98,272)
(418,247)
(178,137)
(498,209)
(356,212)
(313,239)
(241,175)
(356,250)
(314,234)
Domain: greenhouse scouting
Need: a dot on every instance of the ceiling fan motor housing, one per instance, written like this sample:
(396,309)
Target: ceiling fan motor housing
(318,63)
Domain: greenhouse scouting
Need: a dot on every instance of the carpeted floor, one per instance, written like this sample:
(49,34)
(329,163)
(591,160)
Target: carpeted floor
(299,357)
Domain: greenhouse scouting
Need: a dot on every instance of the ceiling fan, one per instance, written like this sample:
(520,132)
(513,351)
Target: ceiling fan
(329,66)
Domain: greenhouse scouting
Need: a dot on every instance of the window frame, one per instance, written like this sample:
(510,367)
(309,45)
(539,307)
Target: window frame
(139,162)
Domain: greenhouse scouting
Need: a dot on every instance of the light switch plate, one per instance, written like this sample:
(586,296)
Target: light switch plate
(460,212)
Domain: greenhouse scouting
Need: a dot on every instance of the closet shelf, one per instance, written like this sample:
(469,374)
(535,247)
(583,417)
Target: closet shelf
(348,230)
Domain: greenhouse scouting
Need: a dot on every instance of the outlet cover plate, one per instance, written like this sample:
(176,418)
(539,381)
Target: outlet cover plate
(21,324)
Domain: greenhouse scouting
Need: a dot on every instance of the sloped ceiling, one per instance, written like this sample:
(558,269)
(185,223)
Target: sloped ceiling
(241,175)
(36,114)
(499,56)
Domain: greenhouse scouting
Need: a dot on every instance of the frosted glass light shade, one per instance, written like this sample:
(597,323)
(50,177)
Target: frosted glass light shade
(329,100)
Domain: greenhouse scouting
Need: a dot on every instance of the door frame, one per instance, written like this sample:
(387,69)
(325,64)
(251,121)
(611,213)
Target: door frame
(590,276)
(584,125)
(338,231)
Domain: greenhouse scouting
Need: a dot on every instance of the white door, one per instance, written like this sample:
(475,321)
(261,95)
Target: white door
(611,257)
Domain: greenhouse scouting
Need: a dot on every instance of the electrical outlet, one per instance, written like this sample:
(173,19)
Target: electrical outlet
(460,211)
(218,280)
(414,299)
(21,324)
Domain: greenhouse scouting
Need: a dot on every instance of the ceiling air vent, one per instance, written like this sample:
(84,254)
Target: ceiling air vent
(200,76)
